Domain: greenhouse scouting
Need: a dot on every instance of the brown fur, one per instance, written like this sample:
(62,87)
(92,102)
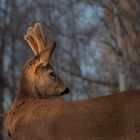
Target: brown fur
(32,117)
(115,117)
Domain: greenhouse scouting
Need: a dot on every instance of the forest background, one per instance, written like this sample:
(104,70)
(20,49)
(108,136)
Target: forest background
(98,43)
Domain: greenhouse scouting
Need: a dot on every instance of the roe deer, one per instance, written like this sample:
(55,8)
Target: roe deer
(33,116)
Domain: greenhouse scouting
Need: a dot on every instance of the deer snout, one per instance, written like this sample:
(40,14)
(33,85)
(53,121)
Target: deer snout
(66,91)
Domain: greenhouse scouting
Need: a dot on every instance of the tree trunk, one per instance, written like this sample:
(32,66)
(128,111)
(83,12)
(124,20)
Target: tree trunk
(121,75)
(1,86)
(119,39)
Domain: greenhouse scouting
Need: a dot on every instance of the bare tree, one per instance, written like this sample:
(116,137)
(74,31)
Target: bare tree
(98,43)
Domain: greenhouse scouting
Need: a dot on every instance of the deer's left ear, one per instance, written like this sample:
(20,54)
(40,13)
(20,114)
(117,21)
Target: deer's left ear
(45,56)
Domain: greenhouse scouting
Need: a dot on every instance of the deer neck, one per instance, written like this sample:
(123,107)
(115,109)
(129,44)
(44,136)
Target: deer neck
(27,87)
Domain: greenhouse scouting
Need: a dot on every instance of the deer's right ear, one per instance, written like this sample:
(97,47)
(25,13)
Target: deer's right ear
(45,56)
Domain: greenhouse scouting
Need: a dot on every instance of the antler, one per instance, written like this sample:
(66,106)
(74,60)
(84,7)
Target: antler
(35,38)
(37,42)
(39,37)
(31,41)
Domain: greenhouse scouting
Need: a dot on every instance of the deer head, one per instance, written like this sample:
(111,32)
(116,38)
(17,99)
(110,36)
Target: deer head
(38,79)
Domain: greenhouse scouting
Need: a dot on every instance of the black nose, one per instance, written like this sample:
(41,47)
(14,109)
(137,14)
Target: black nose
(66,91)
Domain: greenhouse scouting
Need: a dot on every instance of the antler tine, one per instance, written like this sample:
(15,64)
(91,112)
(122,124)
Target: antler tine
(31,41)
(37,34)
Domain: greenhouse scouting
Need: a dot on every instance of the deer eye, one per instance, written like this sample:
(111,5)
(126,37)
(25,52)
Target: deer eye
(52,74)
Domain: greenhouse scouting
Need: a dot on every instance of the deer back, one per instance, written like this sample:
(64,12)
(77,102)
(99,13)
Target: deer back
(115,117)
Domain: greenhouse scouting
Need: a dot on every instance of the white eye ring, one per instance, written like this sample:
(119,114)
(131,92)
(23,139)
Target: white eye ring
(44,64)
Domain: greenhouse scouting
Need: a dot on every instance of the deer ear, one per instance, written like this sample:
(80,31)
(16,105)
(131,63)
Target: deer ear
(45,56)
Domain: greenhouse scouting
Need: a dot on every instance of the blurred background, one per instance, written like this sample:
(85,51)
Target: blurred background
(98,43)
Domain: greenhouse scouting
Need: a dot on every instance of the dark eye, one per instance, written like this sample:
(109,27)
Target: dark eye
(52,74)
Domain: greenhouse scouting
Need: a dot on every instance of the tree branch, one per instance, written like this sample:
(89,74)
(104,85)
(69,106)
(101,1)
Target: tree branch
(104,83)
